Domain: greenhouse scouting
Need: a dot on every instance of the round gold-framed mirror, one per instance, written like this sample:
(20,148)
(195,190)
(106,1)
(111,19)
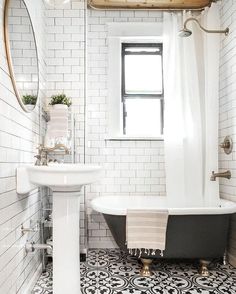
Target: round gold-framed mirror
(21,53)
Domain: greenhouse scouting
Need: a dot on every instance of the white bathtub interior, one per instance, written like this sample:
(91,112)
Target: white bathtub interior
(118,205)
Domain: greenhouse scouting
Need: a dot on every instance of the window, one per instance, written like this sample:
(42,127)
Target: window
(142,89)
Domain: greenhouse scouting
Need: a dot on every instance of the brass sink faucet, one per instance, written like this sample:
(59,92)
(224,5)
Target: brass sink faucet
(42,156)
(226,175)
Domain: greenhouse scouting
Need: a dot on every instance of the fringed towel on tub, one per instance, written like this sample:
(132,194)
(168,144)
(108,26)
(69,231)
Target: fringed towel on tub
(146,231)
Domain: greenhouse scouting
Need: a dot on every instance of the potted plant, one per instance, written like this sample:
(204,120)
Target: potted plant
(60,101)
(30,101)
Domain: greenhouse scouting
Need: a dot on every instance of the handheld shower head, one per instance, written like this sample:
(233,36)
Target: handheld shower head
(185,32)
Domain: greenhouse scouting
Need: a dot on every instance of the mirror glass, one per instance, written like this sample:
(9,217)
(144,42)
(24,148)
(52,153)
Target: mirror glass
(21,53)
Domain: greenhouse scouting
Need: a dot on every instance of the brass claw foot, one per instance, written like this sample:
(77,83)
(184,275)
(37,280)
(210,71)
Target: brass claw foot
(203,270)
(145,271)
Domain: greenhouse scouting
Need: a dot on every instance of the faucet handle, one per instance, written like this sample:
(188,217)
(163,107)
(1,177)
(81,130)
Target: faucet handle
(38,161)
(227,145)
(40,146)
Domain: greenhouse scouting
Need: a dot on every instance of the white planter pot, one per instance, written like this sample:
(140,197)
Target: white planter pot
(30,107)
(59,121)
(59,111)
(59,106)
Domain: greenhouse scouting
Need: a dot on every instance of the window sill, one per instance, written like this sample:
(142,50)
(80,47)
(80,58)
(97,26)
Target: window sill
(128,138)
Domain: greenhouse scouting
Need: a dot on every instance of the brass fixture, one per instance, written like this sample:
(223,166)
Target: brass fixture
(203,270)
(145,271)
(42,156)
(185,32)
(56,147)
(226,175)
(227,145)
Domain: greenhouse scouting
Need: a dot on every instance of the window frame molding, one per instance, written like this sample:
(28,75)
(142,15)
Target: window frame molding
(125,95)
(119,33)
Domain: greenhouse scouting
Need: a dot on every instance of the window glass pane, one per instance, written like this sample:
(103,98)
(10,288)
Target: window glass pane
(143,74)
(143,117)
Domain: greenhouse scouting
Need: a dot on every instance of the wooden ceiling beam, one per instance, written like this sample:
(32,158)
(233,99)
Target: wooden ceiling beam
(150,4)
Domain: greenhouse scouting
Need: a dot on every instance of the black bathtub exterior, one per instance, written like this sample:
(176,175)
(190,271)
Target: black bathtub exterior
(188,236)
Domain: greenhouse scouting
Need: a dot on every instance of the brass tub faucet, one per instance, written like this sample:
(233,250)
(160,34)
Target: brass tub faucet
(226,175)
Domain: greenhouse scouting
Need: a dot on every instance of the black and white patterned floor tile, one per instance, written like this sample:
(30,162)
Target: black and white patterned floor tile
(115,272)
(44,284)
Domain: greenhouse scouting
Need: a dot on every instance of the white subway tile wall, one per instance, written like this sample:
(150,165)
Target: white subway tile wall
(66,70)
(130,167)
(19,134)
(227,116)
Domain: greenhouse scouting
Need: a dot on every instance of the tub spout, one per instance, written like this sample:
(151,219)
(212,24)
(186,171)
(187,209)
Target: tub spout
(226,175)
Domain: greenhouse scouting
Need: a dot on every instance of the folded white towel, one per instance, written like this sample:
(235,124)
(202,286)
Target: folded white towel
(58,123)
(59,127)
(59,112)
(146,229)
(57,133)
(59,119)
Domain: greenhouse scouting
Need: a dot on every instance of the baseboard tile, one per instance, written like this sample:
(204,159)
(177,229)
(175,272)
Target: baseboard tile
(102,245)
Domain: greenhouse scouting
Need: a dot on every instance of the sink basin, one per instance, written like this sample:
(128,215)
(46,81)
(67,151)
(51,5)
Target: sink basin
(66,180)
(58,177)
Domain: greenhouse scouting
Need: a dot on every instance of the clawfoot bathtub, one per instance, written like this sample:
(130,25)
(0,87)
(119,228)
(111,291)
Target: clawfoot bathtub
(194,233)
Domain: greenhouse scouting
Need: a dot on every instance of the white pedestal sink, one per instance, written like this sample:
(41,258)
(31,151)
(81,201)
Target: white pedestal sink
(65,180)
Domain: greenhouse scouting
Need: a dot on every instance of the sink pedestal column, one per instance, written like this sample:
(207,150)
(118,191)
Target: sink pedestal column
(66,243)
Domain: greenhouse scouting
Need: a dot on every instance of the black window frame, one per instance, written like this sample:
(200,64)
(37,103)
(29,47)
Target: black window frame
(125,95)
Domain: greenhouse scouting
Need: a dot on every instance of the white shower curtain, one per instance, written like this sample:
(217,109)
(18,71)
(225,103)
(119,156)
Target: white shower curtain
(191,67)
